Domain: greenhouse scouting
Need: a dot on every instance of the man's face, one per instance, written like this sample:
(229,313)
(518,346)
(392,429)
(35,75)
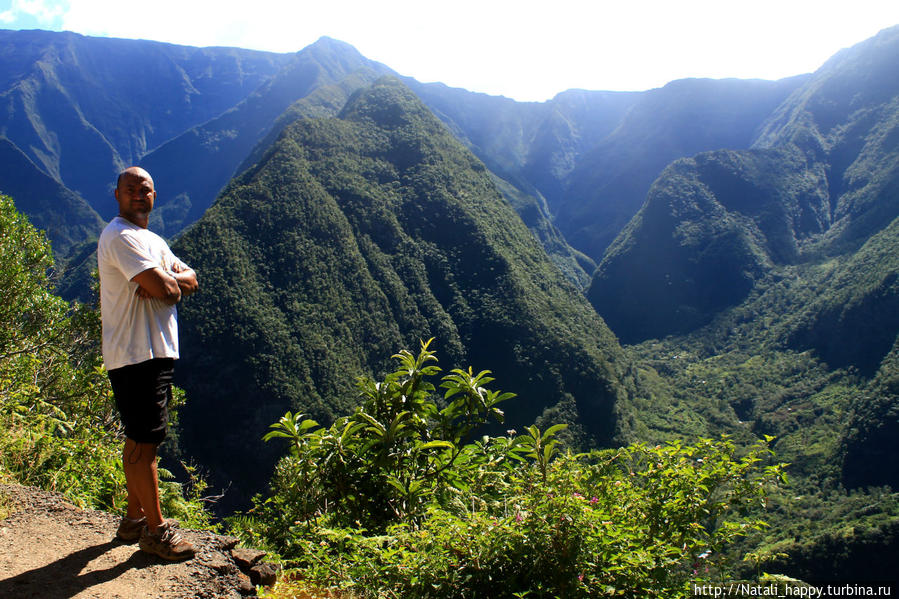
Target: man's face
(135,194)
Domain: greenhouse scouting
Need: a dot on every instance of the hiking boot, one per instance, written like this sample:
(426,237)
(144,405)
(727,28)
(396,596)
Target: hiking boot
(129,530)
(166,543)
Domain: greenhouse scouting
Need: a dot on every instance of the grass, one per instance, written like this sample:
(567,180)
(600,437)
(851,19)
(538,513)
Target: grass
(290,586)
(5,506)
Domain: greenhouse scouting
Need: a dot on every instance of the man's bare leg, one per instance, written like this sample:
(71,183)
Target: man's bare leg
(141,477)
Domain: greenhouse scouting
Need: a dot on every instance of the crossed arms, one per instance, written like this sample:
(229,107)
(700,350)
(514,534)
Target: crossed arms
(168,287)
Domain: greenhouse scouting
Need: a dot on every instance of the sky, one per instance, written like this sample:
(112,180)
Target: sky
(523,49)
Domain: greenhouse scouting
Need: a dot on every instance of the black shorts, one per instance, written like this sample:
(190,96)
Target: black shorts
(142,394)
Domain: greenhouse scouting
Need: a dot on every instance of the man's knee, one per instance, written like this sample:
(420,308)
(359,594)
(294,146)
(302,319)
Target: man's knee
(136,452)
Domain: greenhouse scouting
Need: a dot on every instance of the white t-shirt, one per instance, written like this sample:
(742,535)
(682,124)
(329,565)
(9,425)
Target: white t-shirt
(135,329)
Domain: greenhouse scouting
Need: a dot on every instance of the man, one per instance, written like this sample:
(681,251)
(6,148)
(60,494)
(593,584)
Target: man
(140,283)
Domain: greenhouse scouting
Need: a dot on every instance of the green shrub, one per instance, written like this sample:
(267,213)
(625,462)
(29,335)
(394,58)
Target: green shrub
(56,414)
(397,500)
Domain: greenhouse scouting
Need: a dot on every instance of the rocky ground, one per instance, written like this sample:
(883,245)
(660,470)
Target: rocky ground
(52,550)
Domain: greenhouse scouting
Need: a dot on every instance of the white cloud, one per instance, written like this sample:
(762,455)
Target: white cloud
(45,12)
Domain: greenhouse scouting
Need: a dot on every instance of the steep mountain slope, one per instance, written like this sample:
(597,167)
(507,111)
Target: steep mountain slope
(685,117)
(199,162)
(81,108)
(591,156)
(63,215)
(327,100)
(357,236)
(847,120)
(712,225)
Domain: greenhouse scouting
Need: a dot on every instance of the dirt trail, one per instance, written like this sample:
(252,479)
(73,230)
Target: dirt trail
(49,549)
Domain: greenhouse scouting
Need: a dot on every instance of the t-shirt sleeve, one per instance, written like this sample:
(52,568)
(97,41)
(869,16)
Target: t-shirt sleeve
(131,255)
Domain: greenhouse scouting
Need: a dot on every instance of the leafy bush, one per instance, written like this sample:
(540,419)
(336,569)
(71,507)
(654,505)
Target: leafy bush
(383,464)
(56,414)
(399,500)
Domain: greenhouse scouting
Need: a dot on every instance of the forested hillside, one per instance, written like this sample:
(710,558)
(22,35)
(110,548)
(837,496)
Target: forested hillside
(822,179)
(759,285)
(359,234)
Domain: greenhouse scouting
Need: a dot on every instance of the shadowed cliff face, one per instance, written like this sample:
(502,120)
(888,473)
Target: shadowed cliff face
(714,224)
(610,182)
(63,215)
(353,238)
(67,108)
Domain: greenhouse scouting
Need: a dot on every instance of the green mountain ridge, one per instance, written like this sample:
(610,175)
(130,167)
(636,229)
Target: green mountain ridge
(714,224)
(354,236)
(328,100)
(199,162)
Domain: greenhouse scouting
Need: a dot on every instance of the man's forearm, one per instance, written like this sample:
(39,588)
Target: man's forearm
(187,281)
(155,282)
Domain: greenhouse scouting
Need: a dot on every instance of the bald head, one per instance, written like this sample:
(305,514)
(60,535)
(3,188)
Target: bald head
(133,171)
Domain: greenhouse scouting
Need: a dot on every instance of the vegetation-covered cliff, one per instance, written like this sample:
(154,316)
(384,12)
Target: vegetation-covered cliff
(760,286)
(358,234)
(820,181)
